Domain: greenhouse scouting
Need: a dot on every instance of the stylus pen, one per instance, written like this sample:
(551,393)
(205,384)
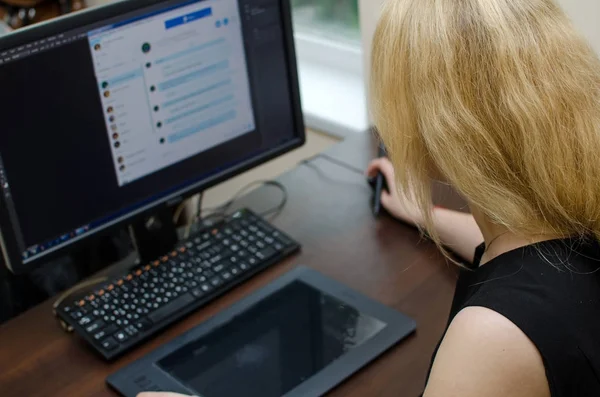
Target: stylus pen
(379,183)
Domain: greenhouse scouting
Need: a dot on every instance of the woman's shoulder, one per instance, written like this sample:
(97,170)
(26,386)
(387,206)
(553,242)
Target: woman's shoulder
(484,353)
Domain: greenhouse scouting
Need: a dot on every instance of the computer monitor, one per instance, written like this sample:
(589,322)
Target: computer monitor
(113,113)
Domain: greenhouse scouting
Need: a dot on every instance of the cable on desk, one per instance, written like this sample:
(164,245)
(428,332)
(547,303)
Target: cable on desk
(309,163)
(222,210)
(335,161)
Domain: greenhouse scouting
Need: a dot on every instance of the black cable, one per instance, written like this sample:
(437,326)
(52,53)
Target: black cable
(335,161)
(322,174)
(221,211)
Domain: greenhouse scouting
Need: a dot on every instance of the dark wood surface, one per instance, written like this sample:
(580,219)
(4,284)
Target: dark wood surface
(329,213)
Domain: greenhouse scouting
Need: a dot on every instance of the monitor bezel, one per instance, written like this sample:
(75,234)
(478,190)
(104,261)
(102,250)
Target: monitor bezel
(8,241)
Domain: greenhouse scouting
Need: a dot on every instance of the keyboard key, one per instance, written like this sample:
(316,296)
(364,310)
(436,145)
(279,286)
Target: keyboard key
(95,326)
(244,267)
(109,344)
(121,336)
(206,287)
(216,281)
(198,293)
(86,320)
(171,308)
(235,271)
(143,324)
(131,330)
(219,268)
(111,329)
(191,284)
(266,253)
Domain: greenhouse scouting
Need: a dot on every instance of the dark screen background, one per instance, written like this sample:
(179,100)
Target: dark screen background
(272,347)
(55,148)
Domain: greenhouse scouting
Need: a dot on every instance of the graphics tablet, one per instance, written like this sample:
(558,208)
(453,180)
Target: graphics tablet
(301,335)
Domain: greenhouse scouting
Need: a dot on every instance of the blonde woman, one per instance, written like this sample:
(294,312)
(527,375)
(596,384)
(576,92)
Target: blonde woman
(501,99)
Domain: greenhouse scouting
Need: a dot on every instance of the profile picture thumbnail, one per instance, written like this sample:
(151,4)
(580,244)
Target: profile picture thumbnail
(146,47)
(122,168)
(106,94)
(105,84)
(110,109)
(111,119)
(97,47)
(113,127)
(117,145)
(152,88)
(159,124)
(121,160)
(148,65)
(115,136)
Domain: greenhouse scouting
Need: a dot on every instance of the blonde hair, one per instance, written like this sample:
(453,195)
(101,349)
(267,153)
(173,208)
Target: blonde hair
(502,98)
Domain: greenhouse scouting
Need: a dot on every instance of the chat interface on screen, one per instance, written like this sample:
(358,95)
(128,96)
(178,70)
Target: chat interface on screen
(172,85)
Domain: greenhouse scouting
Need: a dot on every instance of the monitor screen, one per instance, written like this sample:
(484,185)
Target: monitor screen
(137,104)
(272,347)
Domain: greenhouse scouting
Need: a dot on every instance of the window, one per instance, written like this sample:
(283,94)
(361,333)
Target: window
(333,19)
(330,60)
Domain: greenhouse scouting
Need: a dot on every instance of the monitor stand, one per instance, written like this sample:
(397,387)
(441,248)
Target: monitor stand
(155,235)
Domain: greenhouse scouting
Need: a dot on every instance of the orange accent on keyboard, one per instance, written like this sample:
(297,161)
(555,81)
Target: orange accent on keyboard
(110,287)
(215,232)
(120,282)
(138,273)
(81,302)
(91,297)
(174,254)
(101,292)
(129,277)
(182,249)
(147,268)
(164,258)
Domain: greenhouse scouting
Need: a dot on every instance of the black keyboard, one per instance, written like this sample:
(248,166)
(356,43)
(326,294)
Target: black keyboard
(129,309)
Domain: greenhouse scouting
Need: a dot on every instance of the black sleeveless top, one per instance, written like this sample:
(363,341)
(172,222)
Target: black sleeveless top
(551,291)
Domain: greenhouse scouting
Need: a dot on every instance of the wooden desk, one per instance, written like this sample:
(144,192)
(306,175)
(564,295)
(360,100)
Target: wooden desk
(329,213)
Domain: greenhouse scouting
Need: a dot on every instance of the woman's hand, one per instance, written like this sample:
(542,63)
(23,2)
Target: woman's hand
(396,203)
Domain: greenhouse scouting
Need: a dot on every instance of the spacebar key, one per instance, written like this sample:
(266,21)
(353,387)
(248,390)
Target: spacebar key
(171,308)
